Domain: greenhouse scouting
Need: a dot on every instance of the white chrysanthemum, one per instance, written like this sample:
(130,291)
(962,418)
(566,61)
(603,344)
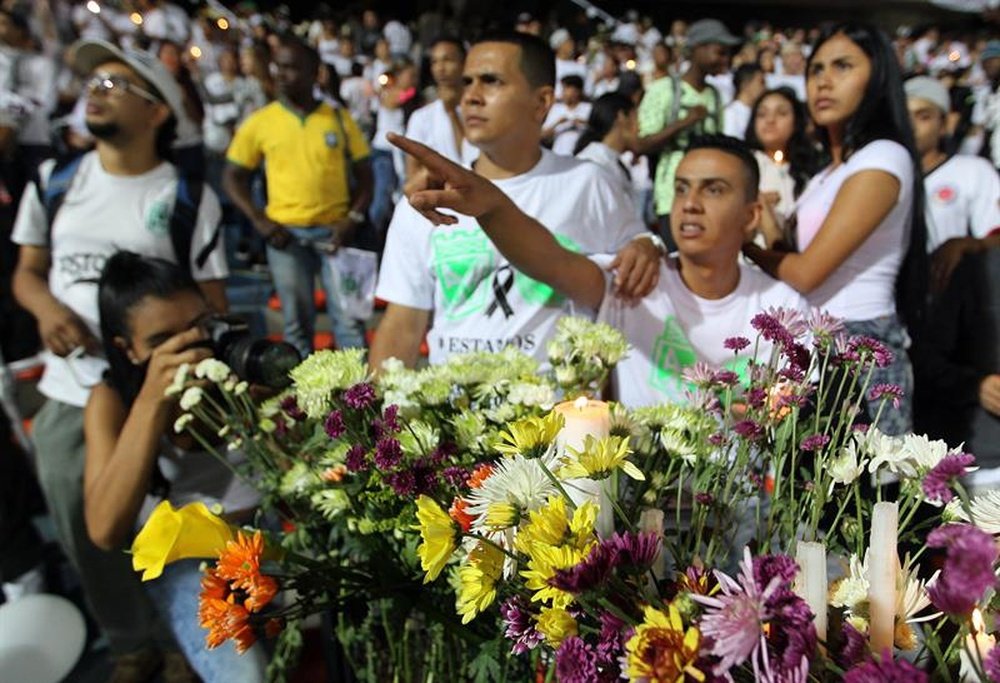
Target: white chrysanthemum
(924,453)
(985,511)
(886,452)
(182,422)
(419,438)
(323,373)
(846,466)
(529,394)
(213,369)
(241,388)
(516,481)
(192,396)
(851,592)
(180,379)
(911,594)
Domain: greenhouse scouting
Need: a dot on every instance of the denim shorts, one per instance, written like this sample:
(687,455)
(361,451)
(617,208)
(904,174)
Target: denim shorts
(890,331)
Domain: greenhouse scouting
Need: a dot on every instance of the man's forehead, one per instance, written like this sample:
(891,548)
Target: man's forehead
(492,56)
(702,164)
(115,66)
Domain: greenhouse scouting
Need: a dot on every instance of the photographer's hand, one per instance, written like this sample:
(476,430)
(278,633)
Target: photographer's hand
(164,363)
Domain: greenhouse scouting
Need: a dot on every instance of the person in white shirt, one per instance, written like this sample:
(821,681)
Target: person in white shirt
(563,45)
(439,124)
(610,132)
(704,295)
(163,20)
(963,192)
(748,80)
(793,69)
(567,119)
(861,243)
(399,37)
(454,278)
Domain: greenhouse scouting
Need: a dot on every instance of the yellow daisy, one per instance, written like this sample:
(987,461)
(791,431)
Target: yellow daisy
(438,537)
(477,580)
(556,625)
(598,459)
(530,436)
(662,650)
(543,563)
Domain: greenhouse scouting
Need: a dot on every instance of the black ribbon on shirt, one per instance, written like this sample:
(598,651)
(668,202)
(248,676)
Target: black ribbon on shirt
(500,290)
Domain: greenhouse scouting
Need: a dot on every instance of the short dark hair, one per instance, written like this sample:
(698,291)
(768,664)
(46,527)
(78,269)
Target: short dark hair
(744,74)
(126,280)
(538,61)
(309,53)
(449,40)
(733,147)
(572,81)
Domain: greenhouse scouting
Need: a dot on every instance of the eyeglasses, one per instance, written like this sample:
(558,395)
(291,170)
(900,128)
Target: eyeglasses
(114,84)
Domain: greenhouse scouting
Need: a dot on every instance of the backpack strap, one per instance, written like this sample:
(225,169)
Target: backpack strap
(184,219)
(52,192)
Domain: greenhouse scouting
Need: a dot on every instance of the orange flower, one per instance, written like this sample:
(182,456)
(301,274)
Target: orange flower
(479,475)
(223,616)
(239,564)
(457,512)
(334,474)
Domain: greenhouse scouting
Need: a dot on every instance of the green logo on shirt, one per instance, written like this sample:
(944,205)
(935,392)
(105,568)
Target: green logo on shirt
(158,218)
(673,354)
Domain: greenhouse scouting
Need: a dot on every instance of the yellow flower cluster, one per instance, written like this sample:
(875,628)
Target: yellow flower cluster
(530,436)
(477,580)
(598,459)
(662,650)
(438,535)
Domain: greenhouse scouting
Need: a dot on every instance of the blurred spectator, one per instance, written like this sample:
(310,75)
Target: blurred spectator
(562,44)
(162,20)
(567,119)
(793,71)
(610,131)
(399,37)
(748,81)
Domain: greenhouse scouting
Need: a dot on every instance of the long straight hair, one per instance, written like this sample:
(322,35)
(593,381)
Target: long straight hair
(603,115)
(882,115)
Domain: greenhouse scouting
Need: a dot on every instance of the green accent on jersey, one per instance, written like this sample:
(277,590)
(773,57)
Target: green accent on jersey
(535,292)
(672,353)
(463,262)
(158,218)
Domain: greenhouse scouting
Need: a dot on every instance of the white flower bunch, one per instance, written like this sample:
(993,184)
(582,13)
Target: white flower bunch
(582,352)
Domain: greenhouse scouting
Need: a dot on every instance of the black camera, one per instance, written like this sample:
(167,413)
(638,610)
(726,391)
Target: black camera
(258,361)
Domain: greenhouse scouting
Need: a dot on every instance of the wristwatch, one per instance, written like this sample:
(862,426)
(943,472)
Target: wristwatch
(355,217)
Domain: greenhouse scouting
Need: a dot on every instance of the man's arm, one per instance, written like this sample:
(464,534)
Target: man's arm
(654,142)
(60,328)
(529,247)
(399,335)
(214,292)
(236,182)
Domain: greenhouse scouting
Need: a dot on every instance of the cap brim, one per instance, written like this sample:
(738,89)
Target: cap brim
(88,54)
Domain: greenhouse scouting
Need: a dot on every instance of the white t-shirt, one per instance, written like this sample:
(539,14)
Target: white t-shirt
(608,159)
(479,302)
(567,132)
(735,119)
(102,214)
(862,287)
(776,177)
(672,329)
(963,199)
(431,125)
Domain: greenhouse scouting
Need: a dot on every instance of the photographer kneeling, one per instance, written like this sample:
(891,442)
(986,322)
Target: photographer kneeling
(152,321)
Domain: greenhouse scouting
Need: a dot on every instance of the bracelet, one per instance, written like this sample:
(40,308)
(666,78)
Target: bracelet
(655,239)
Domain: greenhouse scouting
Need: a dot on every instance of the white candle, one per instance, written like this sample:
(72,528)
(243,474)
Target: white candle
(977,645)
(883,565)
(582,418)
(811,583)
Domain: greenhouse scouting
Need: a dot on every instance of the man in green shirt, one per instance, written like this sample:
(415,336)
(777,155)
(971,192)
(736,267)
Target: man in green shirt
(675,109)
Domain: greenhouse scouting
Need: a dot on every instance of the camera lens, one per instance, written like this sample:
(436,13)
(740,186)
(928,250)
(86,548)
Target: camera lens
(262,361)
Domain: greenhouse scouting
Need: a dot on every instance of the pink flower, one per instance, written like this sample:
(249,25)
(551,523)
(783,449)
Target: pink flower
(736,344)
(968,567)
(894,392)
(885,670)
(815,442)
(938,482)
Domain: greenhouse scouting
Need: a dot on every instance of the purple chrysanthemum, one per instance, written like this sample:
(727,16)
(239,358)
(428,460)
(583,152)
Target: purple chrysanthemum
(798,356)
(612,638)
(637,551)
(704,498)
(766,568)
(356,459)
(789,318)
(455,476)
(575,662)
(388,423)
(938,482)
(748,429)
(885,670)
(726,378)
(290,405)
(593,571)
(518,626)
(334,425)
(403,483)
(771,329)
(443,453)
(756,397)
(869,348)
(360,396)
(736,344)
(855,647)
(814,442)
(892,392)
(991,664)
(823,326)
(700,374)
(968,567)
(388,453)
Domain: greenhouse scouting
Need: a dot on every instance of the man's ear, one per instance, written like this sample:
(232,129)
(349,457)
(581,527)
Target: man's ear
(546,96)
(754,211)
(161,114)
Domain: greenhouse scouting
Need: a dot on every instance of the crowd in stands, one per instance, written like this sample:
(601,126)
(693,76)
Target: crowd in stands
(670,180)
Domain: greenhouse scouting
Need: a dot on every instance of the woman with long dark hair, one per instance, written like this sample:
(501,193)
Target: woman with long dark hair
(151,313)
(611,128)
(786,155)
(860,230)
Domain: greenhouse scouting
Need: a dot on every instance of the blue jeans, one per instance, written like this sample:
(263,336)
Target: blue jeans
(175,594)
(890,331)
(294,270)
(383,186)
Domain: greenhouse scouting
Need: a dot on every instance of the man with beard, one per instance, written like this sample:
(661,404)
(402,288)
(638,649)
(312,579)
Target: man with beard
(124,194)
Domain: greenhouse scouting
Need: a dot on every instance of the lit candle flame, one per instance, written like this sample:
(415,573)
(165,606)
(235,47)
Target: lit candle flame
(580,403)
(630,64)
(978,625)
(954,56)
(222,23)
(136,18)
(779,157)
(195,51)
(94,7)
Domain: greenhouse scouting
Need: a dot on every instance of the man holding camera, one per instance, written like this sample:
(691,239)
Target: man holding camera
(123,194)
(311,151)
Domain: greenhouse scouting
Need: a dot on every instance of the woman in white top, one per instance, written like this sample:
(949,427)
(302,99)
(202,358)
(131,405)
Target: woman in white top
(610,132)
(860,242)
(150,312)
(786,156)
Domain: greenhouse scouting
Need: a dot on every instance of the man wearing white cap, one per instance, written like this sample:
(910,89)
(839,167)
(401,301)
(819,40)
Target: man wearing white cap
(123,195)
(963,191)
(676,109)
(563,45)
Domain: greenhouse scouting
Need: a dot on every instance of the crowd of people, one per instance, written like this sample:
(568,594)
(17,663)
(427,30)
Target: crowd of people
(670,181)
